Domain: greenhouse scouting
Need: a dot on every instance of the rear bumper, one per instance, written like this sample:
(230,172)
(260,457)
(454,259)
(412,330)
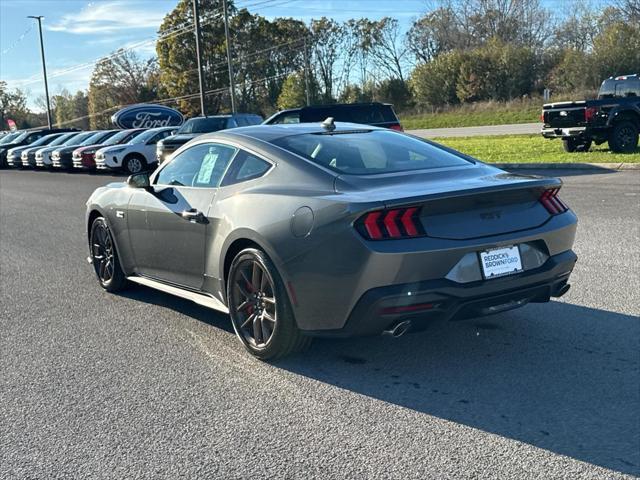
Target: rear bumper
(590,132)
(382,308)
(564,132)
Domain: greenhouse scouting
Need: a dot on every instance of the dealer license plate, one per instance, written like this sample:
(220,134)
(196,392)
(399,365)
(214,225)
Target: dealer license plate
(498,262)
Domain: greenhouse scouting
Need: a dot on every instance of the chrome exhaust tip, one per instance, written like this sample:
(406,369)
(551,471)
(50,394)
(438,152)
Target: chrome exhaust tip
(398,329)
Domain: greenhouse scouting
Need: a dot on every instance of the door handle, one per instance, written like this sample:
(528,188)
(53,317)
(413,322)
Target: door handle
(194,215)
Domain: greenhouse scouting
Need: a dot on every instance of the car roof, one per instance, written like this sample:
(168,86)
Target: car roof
(271,132)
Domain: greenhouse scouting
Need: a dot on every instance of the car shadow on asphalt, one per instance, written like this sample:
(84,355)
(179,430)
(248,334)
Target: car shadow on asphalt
(179,305)
(557,376)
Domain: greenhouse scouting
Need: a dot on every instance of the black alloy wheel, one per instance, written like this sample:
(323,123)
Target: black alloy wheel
(104,257)
(259,307)
(255,302)
(624,137)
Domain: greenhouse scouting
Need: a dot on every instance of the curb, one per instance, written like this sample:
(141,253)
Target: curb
(569,166)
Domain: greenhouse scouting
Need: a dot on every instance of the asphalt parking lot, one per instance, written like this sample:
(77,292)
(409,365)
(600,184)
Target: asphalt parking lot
(147,385)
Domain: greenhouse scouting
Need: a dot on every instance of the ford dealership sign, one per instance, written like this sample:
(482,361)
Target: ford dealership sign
(147,116)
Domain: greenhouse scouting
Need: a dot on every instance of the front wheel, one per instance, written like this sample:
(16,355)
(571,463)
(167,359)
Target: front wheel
(104,257)
(134,164)
(624,137)
(259,307)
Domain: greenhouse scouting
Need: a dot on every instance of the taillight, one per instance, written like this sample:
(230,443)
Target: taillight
(390,224)
(590,113)
(552,202)
(397,127)
(542,116)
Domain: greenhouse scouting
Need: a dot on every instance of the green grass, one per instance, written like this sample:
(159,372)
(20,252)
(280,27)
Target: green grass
(476,115)
(531,149)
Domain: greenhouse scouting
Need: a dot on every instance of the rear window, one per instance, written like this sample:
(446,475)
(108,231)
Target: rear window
(369,152)
(620,88)
(204,125)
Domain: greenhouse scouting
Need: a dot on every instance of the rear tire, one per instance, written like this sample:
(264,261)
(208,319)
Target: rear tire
(259,307)
(105,257)
(569,144)
(624,137)
(572,144)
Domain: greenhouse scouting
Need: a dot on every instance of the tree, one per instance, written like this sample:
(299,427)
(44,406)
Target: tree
(293,93)
(326,40)
(578,30)
(13,105)
(434,33)
(266,53)
(616,51)
(434,83)
(177,55)
(70,107)
(394,91)
(387,50)
(120,79)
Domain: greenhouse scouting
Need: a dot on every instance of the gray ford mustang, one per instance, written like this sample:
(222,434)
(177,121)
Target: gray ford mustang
(332,229)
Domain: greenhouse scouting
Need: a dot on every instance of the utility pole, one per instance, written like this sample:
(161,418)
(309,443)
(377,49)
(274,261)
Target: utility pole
(232,86)
(196,21)
(44,68)
(306,70)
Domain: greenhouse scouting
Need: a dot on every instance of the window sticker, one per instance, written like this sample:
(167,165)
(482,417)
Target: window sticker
(206,169)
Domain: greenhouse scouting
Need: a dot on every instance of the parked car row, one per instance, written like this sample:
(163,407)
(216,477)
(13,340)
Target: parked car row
(138,149)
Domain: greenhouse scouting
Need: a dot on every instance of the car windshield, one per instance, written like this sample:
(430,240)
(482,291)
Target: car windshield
(62,139)
(144,136)
(44,140)
(121,137)
(78,139)
(98,138)
(21,137)
(203,125)
(368,152)
(8,138)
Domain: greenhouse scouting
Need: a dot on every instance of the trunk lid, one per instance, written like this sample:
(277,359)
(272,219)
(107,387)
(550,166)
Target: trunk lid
(458,203)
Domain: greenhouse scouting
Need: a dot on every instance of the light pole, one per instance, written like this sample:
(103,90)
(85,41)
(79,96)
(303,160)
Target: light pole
(232,83)
(196,22)
(44,67)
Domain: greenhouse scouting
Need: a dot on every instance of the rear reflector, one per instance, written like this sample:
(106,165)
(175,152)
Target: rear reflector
(390,224)
(552,202)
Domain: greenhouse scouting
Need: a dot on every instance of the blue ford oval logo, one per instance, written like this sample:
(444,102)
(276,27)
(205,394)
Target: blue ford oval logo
(147,116)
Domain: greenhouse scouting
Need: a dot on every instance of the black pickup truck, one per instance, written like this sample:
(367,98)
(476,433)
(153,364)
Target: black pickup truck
(613,117)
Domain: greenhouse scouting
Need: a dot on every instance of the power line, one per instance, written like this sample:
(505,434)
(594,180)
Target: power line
(18,40)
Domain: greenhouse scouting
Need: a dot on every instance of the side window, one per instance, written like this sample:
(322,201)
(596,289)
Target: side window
(157,137)
(245,167)
(202,166)
(242,121)
(288,118)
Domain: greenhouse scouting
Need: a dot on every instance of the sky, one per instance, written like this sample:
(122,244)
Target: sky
(78,32)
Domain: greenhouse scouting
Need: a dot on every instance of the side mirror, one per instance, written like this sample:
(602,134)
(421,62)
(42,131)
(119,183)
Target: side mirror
(139,180)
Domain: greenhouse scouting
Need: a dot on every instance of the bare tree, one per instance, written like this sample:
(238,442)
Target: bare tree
(387,49)
(326,36)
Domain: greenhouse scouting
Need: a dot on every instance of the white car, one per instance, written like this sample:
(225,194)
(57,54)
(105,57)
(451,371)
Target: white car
(137,155)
